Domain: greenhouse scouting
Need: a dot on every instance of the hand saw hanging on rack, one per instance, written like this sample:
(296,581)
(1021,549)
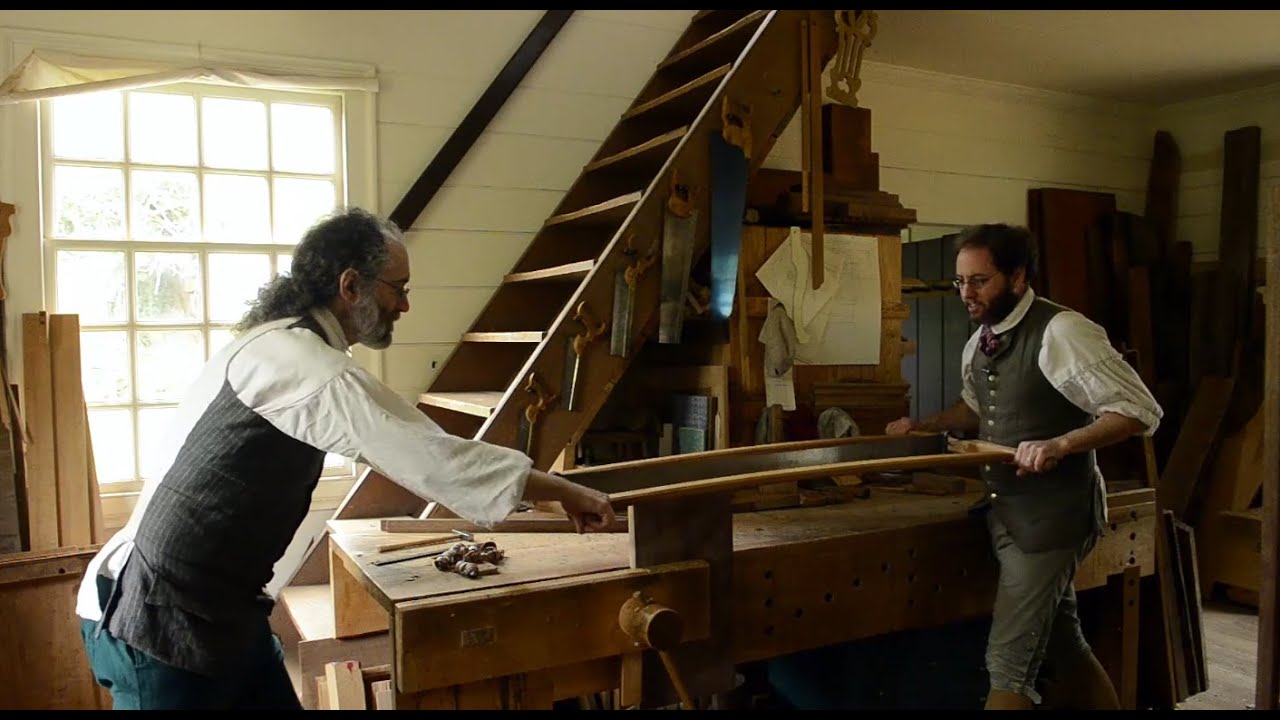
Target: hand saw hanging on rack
(575,347)
(730,166)
(625,282)
(679,224)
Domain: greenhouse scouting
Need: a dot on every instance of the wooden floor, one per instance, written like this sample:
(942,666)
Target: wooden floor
(1231,651)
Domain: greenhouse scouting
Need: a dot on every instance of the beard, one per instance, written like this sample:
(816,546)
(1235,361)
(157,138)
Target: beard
(999,308)
(372,327)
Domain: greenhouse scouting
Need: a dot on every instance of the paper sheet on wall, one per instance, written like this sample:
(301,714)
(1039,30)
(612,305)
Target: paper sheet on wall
(780,390)
(839,323)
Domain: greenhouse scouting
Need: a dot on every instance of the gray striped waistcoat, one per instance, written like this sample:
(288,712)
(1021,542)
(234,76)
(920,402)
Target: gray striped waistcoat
(193,591)
(1016,403)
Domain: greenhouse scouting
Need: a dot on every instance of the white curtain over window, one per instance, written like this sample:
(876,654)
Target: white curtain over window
(47,74)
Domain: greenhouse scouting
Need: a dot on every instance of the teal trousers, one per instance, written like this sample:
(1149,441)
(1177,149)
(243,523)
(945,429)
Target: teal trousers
(138,681)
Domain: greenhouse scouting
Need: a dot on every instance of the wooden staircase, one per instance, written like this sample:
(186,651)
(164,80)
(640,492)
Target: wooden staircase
(750,57)
(752,60)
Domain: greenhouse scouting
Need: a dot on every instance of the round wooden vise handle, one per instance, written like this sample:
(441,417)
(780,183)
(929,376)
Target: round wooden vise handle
(652,625)
(649,624)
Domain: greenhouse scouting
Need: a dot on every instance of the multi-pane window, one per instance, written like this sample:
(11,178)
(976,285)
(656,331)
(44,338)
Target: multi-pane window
(165,212)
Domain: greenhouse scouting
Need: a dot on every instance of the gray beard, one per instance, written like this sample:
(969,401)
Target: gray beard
(371,328)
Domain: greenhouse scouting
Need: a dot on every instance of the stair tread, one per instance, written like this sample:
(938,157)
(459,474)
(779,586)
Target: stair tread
(472,402)
(607,210)
(684,92)
(311,609)
(573,270)
(643,150)
(714,39)
(515,336)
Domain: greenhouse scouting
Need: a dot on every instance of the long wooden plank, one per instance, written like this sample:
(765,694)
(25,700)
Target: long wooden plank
(1197,441)
(41,454)
(515,525)
(756,479)
(75,516)
(97,524)
(478,118)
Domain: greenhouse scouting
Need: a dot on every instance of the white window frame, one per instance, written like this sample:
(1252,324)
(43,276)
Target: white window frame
(21,183)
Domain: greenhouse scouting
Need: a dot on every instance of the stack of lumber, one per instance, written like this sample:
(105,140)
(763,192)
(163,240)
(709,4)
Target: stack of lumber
(59,518)
(60,498)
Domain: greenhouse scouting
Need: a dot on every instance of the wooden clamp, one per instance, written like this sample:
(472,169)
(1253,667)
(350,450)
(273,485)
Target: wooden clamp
(641,264)
(541,398)
(592,329)
(736,120)
(681,200)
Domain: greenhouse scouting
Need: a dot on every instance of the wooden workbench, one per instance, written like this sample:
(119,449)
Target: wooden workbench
(546,626)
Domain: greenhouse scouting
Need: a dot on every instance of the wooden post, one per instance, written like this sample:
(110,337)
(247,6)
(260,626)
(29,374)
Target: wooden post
(696,528)
(1268,681)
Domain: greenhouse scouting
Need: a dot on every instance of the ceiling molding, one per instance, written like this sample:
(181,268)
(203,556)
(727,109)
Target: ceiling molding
(900,76)
(1263,94)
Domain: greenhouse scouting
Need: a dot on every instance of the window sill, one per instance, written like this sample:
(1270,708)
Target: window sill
(118,506)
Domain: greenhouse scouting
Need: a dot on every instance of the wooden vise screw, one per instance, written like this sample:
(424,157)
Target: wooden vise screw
(655,626)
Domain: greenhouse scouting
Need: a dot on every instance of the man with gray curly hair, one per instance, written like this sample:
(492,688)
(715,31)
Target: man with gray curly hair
(174,612)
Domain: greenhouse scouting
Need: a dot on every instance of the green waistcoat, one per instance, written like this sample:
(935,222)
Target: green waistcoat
(1046,511)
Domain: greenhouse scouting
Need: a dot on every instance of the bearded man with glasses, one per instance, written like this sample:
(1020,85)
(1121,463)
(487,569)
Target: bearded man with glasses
(174,612)
(1045,380)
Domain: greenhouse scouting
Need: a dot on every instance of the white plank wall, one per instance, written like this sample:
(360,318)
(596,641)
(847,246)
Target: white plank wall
(478,224)
(963,151)
(957,150)
(1198,127)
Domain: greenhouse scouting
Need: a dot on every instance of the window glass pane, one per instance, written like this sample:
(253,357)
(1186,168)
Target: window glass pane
(168,287)
(112,435)
(156,448)
(235,133)
(88,203)
(162,128)
(89,127)
(299,204)
(104,367)
(229,184)
(301,138)
(166,206)
(92,285)
(237,208)
(234,281)
(168,362)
